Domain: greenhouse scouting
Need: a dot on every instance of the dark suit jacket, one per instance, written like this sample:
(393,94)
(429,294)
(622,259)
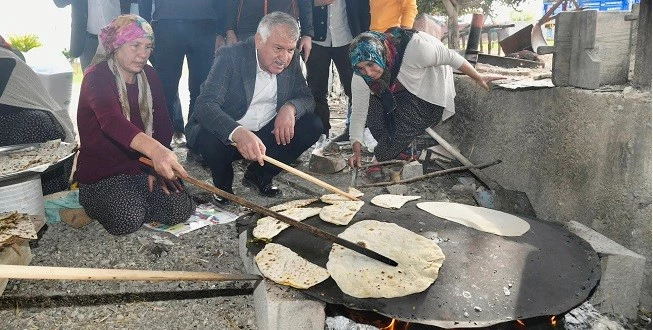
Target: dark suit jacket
(228,90)
(358,17)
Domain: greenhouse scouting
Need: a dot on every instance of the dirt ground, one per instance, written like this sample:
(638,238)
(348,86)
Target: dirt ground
(48,304)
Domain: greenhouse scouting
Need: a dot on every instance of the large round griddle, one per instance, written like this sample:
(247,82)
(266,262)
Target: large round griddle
(486,279)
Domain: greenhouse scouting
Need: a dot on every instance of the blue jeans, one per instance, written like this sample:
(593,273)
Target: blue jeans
(176,39)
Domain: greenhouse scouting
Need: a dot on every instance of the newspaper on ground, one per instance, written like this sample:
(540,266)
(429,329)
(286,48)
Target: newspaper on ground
(205,215)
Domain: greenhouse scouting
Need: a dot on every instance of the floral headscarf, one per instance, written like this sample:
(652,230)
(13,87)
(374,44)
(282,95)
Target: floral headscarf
(123,29)
(387,51)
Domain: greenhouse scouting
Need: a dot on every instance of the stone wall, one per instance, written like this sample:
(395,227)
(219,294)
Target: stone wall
(579,155)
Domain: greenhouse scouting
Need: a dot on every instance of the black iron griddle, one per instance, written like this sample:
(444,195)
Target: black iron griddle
(486,279)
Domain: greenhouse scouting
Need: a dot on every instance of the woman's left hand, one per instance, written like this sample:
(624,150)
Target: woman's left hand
(165,184)
(486,79)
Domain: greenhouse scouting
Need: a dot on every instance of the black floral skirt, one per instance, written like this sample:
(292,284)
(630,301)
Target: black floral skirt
(412,116)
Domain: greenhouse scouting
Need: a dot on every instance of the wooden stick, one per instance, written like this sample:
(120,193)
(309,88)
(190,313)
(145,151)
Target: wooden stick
(299,225)
(387,162)
(430,175)
(104,274)
(308,177)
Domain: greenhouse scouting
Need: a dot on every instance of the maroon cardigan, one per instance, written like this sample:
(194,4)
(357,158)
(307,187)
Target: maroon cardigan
(105,133)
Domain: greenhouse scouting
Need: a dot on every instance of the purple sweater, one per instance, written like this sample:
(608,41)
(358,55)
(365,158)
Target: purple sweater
(105,133)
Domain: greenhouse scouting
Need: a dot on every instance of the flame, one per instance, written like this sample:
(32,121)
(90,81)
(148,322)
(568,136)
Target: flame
(554,321)
(521,323)
(396,325)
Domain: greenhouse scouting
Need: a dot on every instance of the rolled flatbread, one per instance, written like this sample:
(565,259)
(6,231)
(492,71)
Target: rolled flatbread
(341,213)
(281,265)
(268,227)
(479,218)
(293,204)
(419,260)
(389,201)
(334,198)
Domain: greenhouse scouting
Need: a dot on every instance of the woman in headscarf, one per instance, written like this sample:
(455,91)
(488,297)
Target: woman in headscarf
(121,116)
(411,88)
(28,114)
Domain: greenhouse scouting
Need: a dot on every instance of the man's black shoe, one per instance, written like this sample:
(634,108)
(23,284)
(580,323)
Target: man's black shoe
(342,137)
(267,190)
(219,201)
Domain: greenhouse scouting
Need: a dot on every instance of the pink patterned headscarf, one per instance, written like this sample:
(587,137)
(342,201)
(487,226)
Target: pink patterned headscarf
(122,29)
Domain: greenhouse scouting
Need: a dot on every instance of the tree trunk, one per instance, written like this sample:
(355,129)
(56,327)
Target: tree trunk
(452,25)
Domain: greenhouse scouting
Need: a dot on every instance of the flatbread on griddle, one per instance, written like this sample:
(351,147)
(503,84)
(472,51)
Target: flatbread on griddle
(341,213)
(334,198)
(419,260)
(268,227)
(281,265)
(33,157)
(293,204)
(480,218)
(390,201)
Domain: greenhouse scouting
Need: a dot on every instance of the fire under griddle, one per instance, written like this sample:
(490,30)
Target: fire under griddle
(486,279)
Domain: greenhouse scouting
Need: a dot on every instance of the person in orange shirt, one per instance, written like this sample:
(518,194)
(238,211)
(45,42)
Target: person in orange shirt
(392,13)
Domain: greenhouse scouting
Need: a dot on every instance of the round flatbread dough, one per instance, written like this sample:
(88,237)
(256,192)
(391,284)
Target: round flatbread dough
(334,198)
(341,213)
(293,204)
(419,260)
(268,227)
(389,201)
(479,218)
(281,265)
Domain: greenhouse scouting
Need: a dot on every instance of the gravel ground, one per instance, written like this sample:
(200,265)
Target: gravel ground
(47,304)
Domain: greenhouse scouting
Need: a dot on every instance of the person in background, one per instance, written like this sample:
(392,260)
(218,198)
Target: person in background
(28,114)
(122,116)
(257,98)
(88,17)
(400,89)
(392,13)
(336,23)
(244,16)
(191,29)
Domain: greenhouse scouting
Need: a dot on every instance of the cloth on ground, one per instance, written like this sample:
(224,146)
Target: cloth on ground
(54,206)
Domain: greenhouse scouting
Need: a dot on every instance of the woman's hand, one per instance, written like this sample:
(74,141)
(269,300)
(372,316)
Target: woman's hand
(164,160)
(486,79)
(355,159)
(166,185)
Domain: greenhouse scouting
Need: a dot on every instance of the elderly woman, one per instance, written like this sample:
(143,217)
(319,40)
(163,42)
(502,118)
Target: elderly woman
(121,116)
(402,80)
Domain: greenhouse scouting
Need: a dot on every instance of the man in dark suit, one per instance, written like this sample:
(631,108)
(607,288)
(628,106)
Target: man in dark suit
(256,97)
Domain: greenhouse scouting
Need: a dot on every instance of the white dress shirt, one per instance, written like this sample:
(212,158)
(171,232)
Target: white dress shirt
(338,32)
(263,107)
(101,13)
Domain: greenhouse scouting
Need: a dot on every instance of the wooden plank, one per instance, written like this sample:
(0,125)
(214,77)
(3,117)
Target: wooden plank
(8,256)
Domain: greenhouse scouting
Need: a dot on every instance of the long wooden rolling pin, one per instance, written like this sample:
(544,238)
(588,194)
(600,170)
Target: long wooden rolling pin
(307,177)
(106,274)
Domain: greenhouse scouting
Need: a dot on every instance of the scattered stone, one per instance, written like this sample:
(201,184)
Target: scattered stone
(506,291)
(465,314)
(412,170)
(464,189)
(478,309)
(397,189)
(320,163)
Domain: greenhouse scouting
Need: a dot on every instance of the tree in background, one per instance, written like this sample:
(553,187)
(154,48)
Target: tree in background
(453,8)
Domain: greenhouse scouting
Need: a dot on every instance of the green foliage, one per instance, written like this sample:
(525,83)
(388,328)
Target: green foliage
(25,42)
(519,16)
(66,53)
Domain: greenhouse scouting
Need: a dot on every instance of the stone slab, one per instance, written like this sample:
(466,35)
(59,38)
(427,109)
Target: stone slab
(279,307)
(622,273)
(412,170)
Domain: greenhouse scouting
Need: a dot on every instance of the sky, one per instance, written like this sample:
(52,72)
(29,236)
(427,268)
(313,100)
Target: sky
(52,24)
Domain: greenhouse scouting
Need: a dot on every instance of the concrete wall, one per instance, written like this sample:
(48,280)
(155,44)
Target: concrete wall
(579,155)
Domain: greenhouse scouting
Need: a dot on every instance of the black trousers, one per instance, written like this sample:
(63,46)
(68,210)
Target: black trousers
(220,156)
(176,39)
(318,77)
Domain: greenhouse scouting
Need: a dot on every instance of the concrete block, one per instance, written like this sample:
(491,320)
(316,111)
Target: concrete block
(412,170)
(397,189)
(279,307)
(622,273)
